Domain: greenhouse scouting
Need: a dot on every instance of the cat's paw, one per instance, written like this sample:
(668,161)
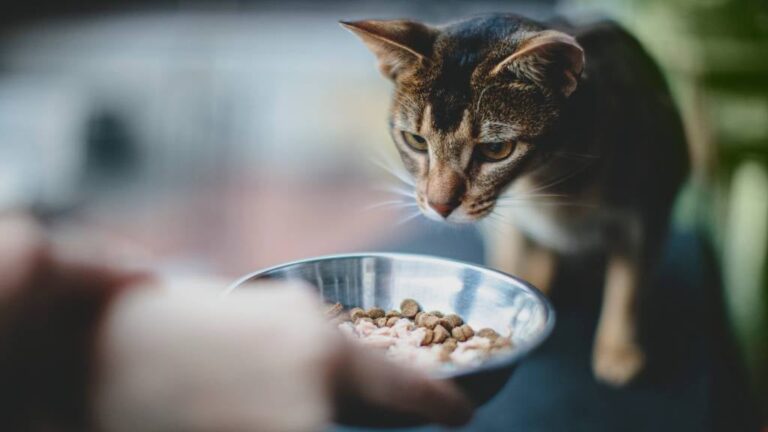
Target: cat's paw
(617,363)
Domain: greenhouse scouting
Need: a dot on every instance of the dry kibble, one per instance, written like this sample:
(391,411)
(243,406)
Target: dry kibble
(488,333)
(446,323)
(356,313)
(365,318)
(409,308)
(454,319)
(447,330)
(376,313)
(429,321)
(428,336)
(458,334)
(392,313)
(418,317)
(467,331)
(450,344)
(441,334)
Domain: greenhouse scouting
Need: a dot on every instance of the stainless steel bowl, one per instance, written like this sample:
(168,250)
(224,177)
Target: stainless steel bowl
(484,297)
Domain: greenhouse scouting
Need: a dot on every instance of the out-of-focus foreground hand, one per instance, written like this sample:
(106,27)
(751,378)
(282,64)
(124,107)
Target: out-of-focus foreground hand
(262,359)
(180,357)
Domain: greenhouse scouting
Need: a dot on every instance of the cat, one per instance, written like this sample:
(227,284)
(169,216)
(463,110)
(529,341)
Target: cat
(570,132)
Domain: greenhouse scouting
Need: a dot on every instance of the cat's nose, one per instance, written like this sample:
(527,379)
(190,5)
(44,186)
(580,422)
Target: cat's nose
(443,209)
(445,188)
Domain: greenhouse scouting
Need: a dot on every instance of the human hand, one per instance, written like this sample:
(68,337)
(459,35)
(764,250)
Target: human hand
(257,360)
(186,359)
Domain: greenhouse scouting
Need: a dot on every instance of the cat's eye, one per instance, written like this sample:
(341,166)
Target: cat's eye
(416,142)
(496,151)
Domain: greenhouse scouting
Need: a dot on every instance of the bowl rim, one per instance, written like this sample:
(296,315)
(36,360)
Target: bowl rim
(494,363)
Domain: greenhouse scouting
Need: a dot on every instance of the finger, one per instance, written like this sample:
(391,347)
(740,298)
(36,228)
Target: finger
(81,258)
(97,274)
(413,392)
(90,271)
(440,401)
(383,384)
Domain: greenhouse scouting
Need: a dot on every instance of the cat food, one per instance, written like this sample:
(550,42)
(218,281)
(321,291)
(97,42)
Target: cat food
(427,339)
(409,308)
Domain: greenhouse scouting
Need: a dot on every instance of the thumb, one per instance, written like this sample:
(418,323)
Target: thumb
(376,390)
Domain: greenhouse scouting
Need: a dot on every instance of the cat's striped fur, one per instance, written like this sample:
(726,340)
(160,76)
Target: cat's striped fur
(589,119)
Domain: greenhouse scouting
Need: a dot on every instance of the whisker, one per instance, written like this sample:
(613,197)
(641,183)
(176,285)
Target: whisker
(490,219)
(390,203)
(482,93)
(526,200)
(490,224)
(396,190)
(408,218)
(391,170)
(523,203)
(498,218)
(516,197)
(559,180)
(576,155)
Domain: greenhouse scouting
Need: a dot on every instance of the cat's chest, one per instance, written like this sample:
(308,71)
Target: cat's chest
(558,229)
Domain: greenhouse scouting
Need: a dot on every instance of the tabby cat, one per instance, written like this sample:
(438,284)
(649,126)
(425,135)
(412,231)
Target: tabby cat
(498,110)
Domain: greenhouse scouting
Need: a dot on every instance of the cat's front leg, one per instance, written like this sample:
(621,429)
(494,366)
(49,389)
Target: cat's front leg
(617,357)
(504,247)
(508,250)
(540,267)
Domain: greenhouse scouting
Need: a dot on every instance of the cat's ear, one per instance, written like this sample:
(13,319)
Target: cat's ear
(548,58)
(400,45)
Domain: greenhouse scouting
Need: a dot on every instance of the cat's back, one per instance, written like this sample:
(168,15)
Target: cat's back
(615,56)
(635,117)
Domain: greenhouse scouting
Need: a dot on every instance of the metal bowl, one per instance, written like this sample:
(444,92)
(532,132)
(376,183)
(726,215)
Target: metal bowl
(483,297)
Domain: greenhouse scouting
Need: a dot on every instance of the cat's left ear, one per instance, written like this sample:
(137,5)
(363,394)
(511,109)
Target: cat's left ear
(548,58)
(400,45)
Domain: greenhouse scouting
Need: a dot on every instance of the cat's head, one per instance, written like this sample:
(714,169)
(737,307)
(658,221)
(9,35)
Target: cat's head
(474,102)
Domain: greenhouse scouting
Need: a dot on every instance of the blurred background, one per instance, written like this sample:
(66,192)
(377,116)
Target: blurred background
(226,136)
